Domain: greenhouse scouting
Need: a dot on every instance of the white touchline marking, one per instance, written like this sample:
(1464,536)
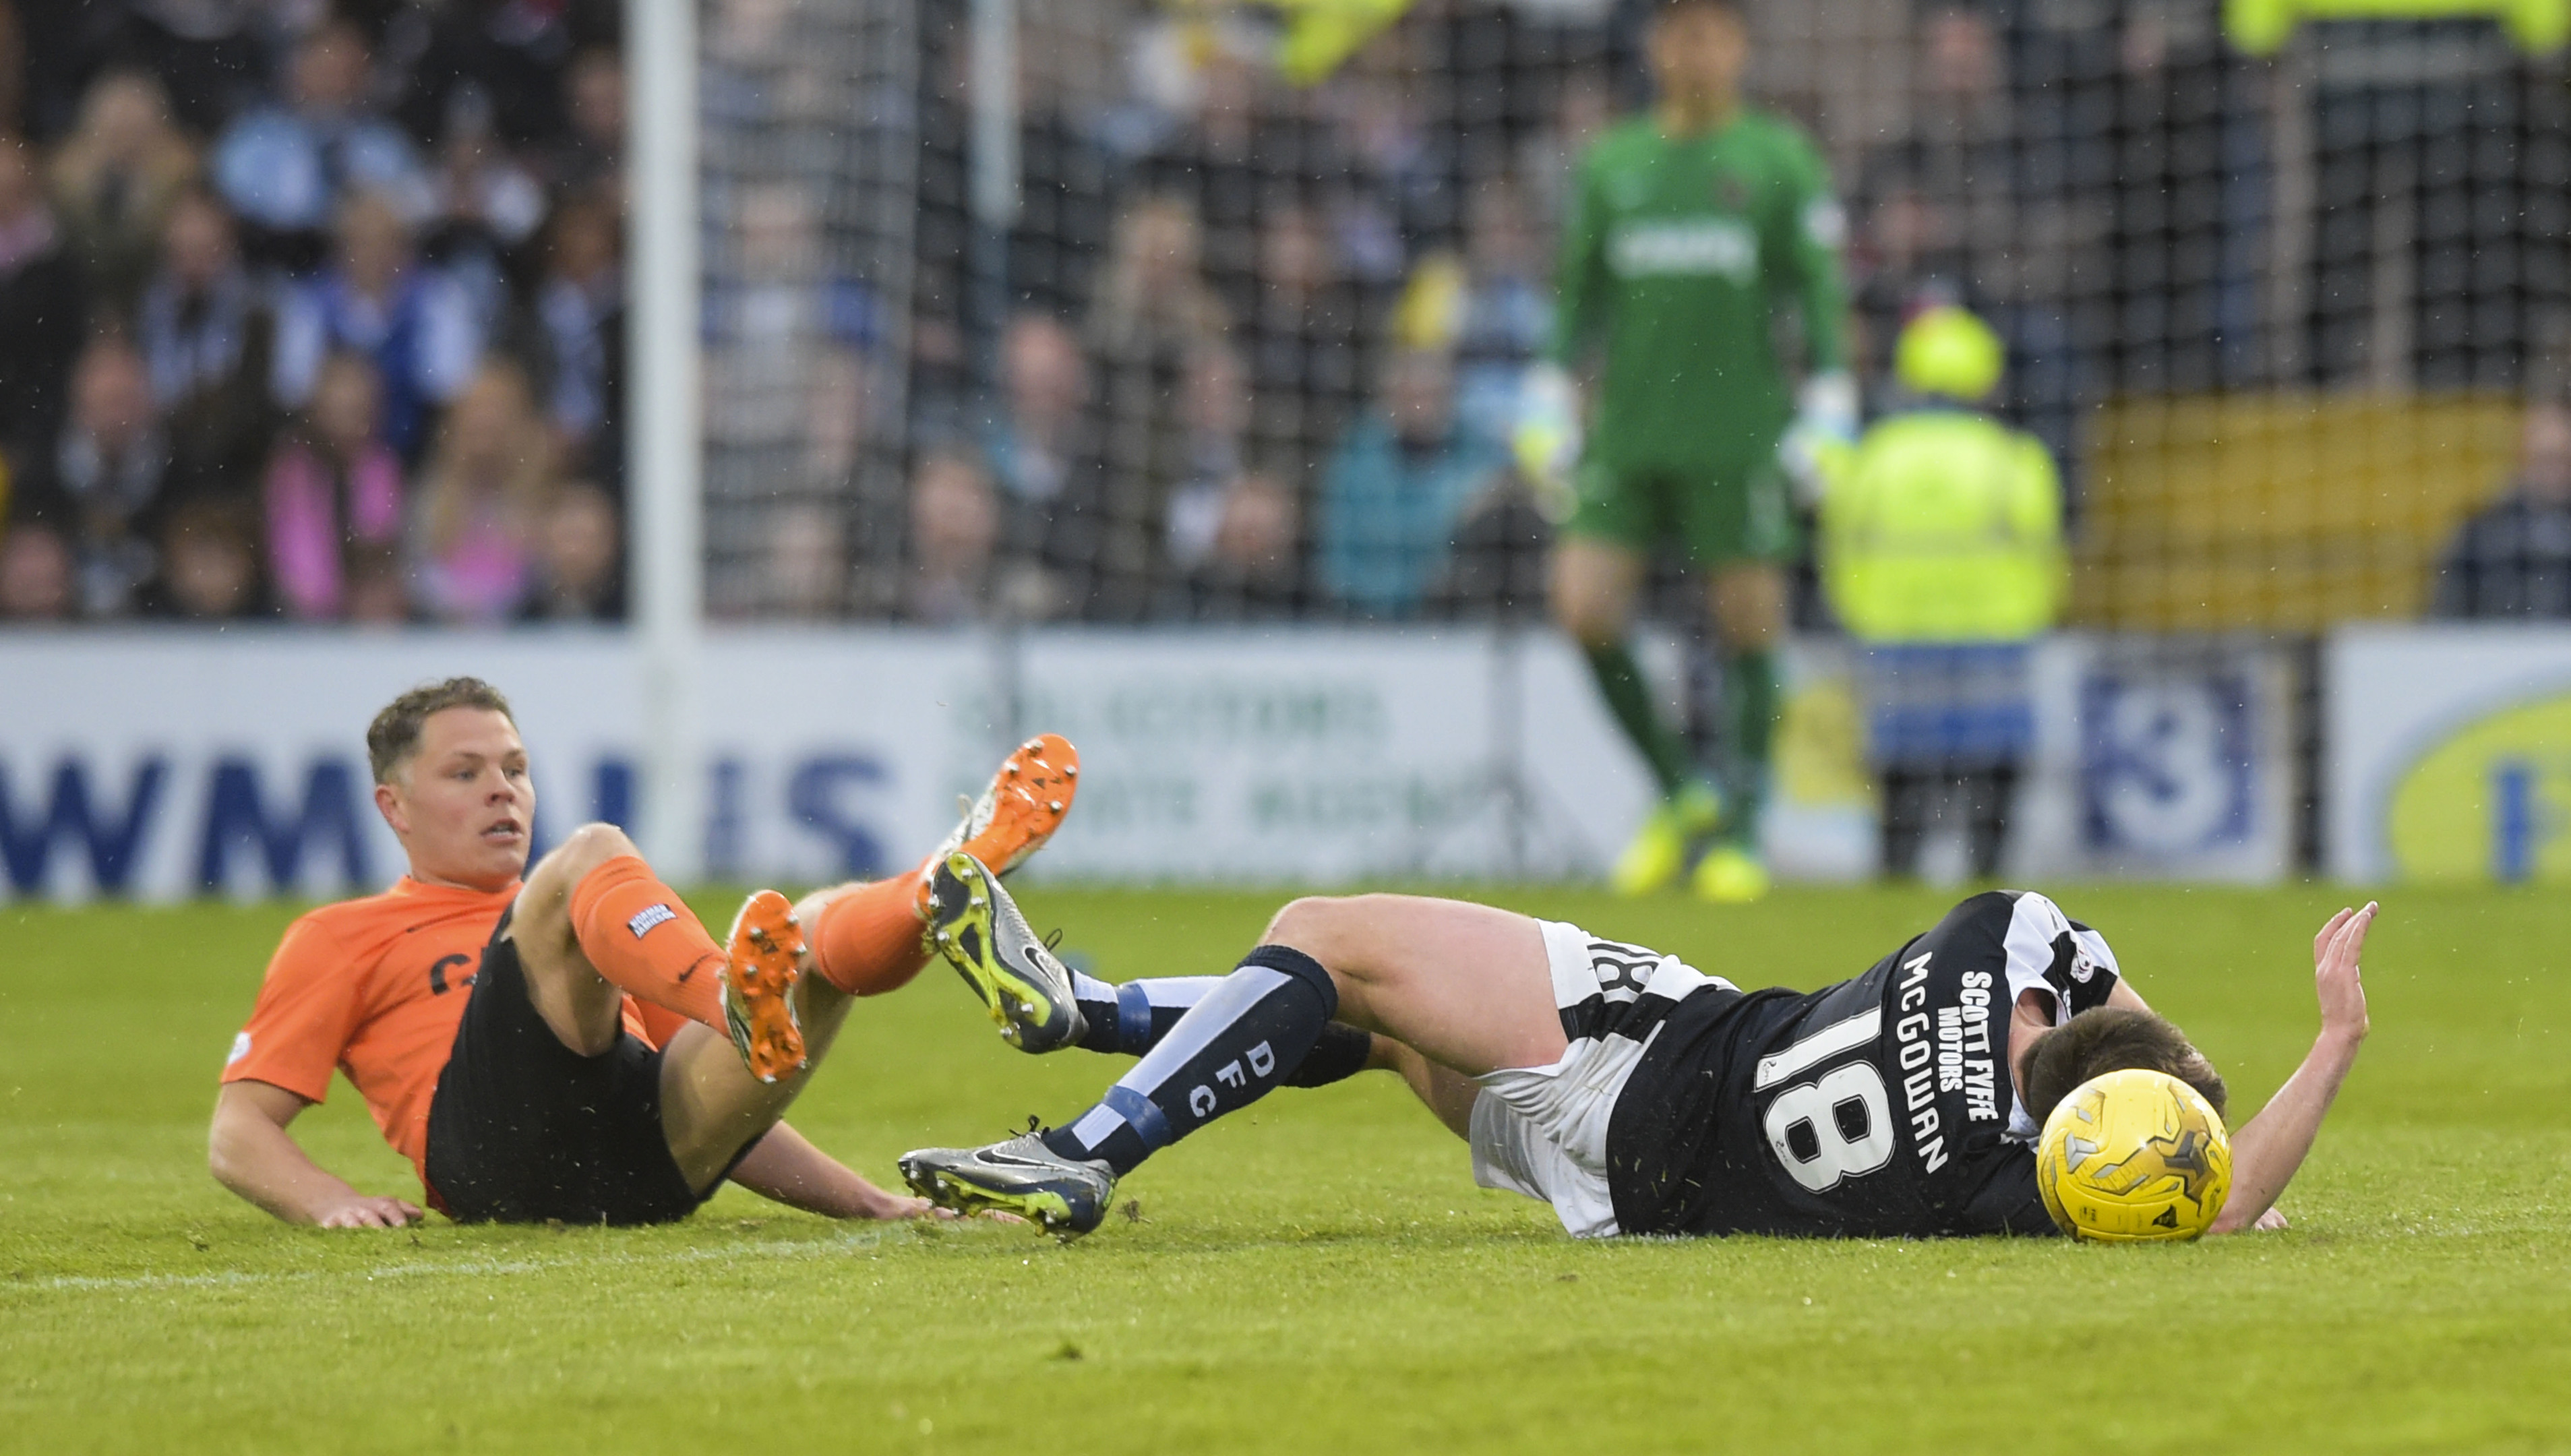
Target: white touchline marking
(470,1266)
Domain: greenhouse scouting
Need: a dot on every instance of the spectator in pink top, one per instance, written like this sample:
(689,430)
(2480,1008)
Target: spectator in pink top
(334,493)
(482,496)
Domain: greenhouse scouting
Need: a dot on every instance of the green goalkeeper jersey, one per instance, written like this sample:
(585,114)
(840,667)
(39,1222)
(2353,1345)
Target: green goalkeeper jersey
(1675,256)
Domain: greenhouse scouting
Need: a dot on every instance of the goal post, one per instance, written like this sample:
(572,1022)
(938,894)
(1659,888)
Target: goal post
(664,432)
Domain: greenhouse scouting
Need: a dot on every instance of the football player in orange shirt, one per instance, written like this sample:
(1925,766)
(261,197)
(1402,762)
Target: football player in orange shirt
(573,1045)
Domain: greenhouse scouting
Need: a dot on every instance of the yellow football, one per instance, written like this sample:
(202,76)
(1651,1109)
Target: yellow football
(2134,1156)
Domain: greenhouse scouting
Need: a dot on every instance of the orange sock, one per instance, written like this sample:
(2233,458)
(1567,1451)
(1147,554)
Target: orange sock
(870,940)
(644,938)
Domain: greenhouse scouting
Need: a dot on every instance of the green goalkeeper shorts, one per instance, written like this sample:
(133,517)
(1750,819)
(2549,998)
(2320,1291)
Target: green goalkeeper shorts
(1715,514)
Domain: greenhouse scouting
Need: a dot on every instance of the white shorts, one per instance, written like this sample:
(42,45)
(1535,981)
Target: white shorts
(1542,1130)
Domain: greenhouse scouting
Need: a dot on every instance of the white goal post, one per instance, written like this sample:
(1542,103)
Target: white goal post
(665,428)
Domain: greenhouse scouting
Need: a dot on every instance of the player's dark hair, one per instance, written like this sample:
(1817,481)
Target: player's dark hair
(394,734)
(2108,1039)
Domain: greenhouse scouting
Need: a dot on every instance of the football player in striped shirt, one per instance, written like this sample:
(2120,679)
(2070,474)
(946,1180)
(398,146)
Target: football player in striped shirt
(1632,1092)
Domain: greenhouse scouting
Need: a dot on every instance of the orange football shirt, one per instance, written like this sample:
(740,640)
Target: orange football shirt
(373,987)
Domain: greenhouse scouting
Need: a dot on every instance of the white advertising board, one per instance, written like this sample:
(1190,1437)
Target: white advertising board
(168,764)
(165,764)
(2449,753)
(1327,757)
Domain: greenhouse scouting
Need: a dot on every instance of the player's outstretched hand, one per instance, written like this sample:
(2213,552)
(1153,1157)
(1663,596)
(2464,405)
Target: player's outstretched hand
(2337,978)
(931,1214)
(2267,1149)
(875,1203)
(361,1212)
(892,1207)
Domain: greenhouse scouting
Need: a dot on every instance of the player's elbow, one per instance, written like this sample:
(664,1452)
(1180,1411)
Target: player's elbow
(225,1156)
(236,1142)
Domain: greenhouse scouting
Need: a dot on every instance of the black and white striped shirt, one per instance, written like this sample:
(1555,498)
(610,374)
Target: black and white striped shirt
(1881,1106)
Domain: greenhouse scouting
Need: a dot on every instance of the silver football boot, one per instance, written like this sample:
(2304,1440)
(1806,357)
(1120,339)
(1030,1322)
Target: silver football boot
(976,926)
(1022,1176)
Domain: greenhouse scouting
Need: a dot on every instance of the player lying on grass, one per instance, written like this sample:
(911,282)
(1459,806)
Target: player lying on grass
(1630,1091)
(557,1048)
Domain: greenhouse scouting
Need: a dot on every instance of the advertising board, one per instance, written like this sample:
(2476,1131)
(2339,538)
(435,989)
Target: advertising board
(161,766)
(167,764)
(2449,753)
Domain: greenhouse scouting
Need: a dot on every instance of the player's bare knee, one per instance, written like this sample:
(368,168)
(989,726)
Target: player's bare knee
(1591,589)
(1579,612)
(1302,924)
(568,863)
(1749,607)
(543,915)
(1750,632)
(591,846)
(1590,630)
(1343,932)
(1320,926)
(1750,619)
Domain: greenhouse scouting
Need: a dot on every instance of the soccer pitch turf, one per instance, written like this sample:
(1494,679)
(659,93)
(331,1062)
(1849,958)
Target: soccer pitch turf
(1318,1273)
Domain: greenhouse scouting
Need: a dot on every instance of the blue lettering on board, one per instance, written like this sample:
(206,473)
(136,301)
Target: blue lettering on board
(813,793)
(74,819)
(236,810)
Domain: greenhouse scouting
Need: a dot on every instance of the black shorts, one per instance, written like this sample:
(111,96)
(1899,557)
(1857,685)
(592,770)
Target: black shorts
(523,1129)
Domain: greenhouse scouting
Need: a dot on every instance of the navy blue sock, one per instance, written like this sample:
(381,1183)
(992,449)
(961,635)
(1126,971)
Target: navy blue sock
(1130,1019)
(1339,1054)
(1250,1032)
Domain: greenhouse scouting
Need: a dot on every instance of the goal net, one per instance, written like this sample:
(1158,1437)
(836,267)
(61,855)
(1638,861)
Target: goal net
(2275,314)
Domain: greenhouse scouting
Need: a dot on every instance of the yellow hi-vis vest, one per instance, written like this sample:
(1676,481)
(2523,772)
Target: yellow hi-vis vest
(1943,526)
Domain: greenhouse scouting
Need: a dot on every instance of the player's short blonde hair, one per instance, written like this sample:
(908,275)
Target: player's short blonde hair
(394,734)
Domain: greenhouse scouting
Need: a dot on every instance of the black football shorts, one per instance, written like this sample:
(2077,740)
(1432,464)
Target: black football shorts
(523,1129)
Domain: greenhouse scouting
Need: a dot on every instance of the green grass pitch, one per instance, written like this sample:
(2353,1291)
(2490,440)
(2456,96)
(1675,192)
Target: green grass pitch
(1316,1275)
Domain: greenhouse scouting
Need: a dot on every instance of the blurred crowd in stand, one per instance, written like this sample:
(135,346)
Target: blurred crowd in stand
(313,309)
(1261,342)
(1259,350)
(311,314)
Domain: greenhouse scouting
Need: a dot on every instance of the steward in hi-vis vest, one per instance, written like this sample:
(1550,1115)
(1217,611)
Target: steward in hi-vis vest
(1941,552)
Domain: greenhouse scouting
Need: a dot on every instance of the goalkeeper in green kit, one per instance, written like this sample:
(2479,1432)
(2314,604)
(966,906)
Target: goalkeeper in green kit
(1687,227)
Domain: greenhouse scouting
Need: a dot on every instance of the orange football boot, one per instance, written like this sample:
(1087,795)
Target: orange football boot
(1015,815)
(763,962)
